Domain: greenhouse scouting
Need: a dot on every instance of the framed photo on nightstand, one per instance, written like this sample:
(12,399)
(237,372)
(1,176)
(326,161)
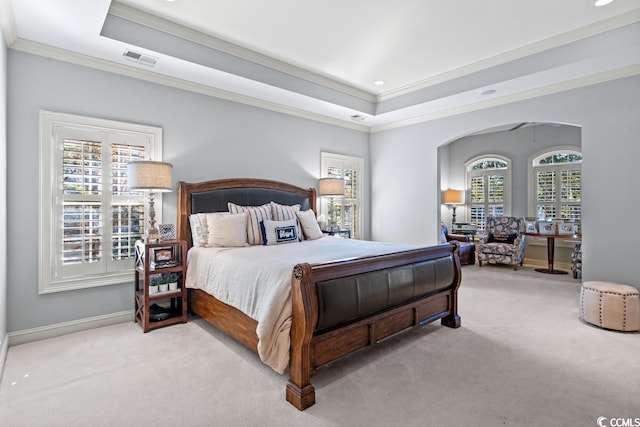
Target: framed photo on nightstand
(162,257)
(168,231)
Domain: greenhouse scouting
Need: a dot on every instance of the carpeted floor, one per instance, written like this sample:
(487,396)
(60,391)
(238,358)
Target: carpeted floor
(521,358)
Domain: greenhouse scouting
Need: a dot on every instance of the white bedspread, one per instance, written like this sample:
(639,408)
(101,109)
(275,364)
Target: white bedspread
(257,281)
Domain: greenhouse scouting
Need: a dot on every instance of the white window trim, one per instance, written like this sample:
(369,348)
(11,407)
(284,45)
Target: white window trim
(48,247)
(532,194)
(330,159)
(508,186)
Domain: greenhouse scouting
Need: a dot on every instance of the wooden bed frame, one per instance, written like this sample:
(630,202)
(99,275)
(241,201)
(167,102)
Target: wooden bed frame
(312,349)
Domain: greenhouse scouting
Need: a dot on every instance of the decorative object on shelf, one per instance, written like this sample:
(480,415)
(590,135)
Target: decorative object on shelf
(172,279)
(154,282)
(152,177)
(330,188)
(168,231)
(452,198)
(164,284)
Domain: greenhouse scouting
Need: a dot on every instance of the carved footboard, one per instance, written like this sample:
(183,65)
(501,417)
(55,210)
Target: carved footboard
(340,307)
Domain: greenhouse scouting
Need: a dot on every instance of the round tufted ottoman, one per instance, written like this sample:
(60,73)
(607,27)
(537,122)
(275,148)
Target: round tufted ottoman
(610,305)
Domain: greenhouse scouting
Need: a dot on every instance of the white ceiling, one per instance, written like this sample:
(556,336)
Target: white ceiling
(436,57)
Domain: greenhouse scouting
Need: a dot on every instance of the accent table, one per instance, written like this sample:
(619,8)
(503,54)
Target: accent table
(551,244)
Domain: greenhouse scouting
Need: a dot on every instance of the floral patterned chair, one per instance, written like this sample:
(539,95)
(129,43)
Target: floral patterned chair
(576,260)
(502,241)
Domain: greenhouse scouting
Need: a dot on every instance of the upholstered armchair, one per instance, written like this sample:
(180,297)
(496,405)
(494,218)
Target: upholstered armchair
(466,247)
(502,241)
(576,260)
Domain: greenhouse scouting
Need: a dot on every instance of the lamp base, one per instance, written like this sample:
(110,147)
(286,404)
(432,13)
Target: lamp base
(153,234)
(153,237)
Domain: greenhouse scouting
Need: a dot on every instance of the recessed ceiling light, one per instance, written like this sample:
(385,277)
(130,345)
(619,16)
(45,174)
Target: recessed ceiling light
(378,82)
(602,2)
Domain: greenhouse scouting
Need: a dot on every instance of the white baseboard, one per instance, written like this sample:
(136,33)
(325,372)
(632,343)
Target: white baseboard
(4,347)
(58,329)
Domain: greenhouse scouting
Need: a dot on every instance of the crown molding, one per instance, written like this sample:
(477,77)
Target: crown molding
(8,22)
(603,77)
(532,49)
(149,76)
(160,24)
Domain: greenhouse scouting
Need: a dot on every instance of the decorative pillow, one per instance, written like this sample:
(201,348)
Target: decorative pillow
(309,224)
(199,232)
(283,212)
(255,214)
(279,232)
(502,238)
(227,229)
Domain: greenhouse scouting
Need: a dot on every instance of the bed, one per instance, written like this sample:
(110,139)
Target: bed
(336,306)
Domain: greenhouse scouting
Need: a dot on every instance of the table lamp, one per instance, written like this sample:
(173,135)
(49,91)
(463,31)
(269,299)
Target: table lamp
(453,198)
(331,187)
(152,177)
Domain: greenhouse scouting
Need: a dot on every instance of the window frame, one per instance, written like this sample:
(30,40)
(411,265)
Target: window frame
(54,128)
(328,160)
(507,186)
(532,207)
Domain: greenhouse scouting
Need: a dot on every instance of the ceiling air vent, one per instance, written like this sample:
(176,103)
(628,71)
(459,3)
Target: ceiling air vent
(140,58)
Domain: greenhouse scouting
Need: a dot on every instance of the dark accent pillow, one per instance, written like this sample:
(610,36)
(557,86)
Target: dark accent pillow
(502,238)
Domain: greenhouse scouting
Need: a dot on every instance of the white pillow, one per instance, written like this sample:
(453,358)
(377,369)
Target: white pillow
(309,224)
(283,212)
(199,234)
(255,214)
(279,232)
(227,229)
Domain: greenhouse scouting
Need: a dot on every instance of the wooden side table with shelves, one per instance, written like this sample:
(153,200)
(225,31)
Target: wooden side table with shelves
(153,261)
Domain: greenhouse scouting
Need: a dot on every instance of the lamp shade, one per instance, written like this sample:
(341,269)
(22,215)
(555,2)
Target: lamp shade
(148,175)
(331,187)
(453,197)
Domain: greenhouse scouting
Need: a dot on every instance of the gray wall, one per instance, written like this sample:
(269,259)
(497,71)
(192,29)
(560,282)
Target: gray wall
(608,114)
(3,193)
(205,138)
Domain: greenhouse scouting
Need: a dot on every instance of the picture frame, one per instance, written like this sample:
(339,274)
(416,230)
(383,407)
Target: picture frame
(566,228)
(546,227)
(168,231)
(163,255)
(530,227)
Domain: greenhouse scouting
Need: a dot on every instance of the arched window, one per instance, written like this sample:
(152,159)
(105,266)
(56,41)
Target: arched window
(488,188)
(556,184)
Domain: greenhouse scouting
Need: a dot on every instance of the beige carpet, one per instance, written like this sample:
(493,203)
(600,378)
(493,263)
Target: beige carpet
(521,358)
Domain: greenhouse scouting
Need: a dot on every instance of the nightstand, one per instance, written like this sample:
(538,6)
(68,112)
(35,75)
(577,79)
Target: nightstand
(157,262)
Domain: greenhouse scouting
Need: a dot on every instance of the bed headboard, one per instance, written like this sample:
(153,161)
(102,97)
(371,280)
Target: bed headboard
(213,196)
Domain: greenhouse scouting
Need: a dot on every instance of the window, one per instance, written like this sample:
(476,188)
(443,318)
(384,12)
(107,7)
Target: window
(89,220)
(347,209)
(555,179)
(489,187)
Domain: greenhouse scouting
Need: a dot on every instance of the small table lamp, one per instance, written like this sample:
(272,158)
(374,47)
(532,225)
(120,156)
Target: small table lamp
(150,176)
(331,187)
(453,198)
